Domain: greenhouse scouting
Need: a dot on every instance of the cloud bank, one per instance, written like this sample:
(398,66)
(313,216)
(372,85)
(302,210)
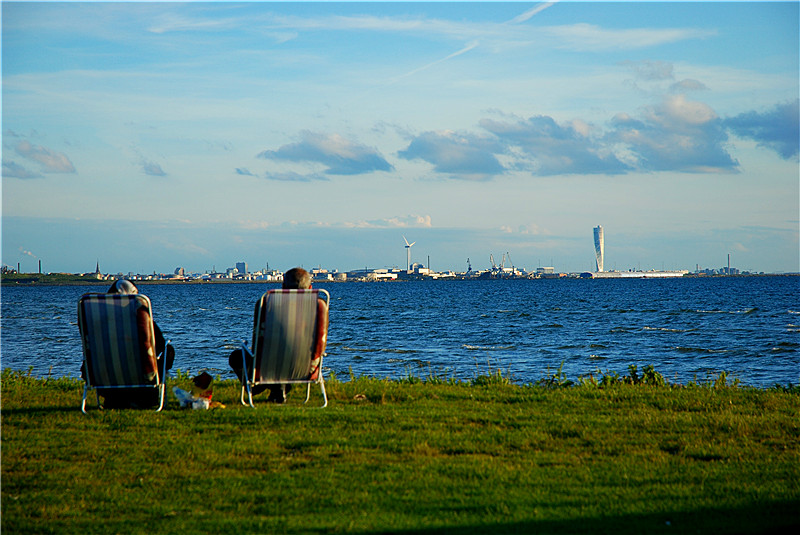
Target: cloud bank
(152,168)
(465,156)
(12,169)
(47,160)
(676,134)
(777,129)
(339,156)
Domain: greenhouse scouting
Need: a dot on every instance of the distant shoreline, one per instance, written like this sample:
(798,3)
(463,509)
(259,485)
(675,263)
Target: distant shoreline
(60,279)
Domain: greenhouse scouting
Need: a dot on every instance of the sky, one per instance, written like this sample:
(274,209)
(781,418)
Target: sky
(151,136)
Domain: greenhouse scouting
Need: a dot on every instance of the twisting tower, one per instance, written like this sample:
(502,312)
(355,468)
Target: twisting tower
(599,249)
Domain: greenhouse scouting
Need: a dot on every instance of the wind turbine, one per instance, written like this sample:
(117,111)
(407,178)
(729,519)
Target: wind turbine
(408,253)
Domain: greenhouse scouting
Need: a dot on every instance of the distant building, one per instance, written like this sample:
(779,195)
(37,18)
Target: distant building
(599,247)
(179,271)
(419,269)
(381,275)
(242,267)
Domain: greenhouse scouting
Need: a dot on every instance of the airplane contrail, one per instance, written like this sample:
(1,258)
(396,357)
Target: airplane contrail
(531,12)
(474,44)
(464,50)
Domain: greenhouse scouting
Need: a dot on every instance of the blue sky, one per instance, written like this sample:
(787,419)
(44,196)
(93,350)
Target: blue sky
(155,135)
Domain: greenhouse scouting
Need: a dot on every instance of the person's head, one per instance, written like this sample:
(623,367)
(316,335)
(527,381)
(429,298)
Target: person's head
(123,286)
(296,279)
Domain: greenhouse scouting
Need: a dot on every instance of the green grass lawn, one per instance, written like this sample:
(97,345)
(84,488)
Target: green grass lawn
(437,457)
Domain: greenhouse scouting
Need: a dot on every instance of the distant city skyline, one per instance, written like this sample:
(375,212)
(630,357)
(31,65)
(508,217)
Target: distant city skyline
(243,267)
(157,135)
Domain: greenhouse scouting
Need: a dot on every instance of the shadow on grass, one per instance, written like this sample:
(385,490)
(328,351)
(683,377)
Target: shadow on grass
(50,409)
(773,518)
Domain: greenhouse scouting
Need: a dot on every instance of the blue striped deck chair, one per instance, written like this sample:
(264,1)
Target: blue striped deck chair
(119,344)
(290,330)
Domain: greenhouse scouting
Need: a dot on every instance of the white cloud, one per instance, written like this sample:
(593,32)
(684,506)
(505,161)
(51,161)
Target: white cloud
(291,176)
(152,168)
(340,155)
(555,149)
(678,110)
(409,221)
(50,161)
(463,156)
(12,169)
(173,22)
(777,129)
(254,225)
(533,229)
(652,70)
(592,38)
(677,135)
(688,85)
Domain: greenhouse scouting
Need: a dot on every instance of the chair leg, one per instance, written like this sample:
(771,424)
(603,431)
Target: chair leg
(249,395)
(161,391)
(85,394)
(324,395)
(83,401)
(246,383)
(246,386)
(162,388)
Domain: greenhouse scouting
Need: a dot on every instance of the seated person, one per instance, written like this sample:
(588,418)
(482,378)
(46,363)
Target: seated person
(294,279)
(120,398)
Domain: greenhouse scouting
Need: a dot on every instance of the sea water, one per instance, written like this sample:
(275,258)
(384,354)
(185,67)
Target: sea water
(688,328)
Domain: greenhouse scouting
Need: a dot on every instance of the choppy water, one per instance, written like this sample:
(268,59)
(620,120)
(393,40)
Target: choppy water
(686,328)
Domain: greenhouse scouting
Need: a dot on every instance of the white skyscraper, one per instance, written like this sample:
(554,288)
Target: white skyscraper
(599,249)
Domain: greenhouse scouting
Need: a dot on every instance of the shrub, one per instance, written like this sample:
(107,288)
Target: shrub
(555,380)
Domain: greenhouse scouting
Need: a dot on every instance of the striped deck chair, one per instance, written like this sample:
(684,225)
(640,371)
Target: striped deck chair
(119,344)
(290,330)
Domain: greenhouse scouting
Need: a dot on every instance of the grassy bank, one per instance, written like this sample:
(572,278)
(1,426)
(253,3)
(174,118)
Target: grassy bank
(410,456)
(52,279)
